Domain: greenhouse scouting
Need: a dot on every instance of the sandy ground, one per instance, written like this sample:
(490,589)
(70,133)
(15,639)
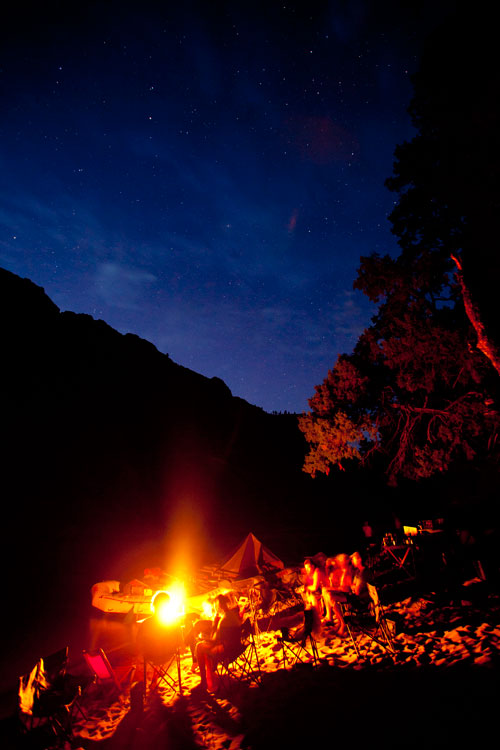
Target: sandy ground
(439,687)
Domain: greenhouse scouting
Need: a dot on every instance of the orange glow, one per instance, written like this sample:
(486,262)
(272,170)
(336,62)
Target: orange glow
(208,610)
(170,611)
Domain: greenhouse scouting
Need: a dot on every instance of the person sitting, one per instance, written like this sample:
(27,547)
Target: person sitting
(225,640)
(314,582)
(340,573)
(332,575)
(358,584)
(299,631)
(262,596)
(196,629)
(157,642)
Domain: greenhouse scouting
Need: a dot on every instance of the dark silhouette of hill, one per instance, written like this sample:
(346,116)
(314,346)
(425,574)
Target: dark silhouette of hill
(110,447)
(115,458)
(99,424)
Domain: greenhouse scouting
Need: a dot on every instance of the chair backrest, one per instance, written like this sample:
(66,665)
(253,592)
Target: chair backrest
(372,591)
(45,688)
(98,663)
(233,652)
(235,649)
(309,619)
(247,629)
(157,643)
(52,668)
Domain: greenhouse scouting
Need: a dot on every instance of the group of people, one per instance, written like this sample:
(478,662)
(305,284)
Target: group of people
(327,587)
(208,640)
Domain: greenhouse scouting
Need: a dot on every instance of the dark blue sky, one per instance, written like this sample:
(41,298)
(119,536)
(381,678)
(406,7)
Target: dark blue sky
(207,175)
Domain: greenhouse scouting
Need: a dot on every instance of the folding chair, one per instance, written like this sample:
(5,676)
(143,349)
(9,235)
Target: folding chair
(383,628)
(372,622)
(269,600)
(242,662)
(162,674)
(48,699)
(294,646)
(104,674)
(161,651)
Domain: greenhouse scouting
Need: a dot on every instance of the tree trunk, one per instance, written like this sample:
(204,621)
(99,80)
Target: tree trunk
(484,342)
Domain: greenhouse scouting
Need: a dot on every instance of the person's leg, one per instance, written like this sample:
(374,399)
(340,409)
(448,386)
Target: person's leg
(202,649)
(337,609)
(337,598)
(211,659)
(327,605)
(318,604)
(210,672)
(190,642)
(199,628)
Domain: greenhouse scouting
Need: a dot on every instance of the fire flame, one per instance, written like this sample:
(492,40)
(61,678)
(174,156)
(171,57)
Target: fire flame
(171,610)
(208,610)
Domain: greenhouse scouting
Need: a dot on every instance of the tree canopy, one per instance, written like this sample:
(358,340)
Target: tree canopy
(417,395)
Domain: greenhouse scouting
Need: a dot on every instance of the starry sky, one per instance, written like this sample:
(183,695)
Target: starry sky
(207,174)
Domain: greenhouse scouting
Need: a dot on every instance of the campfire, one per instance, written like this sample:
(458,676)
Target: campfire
(172,609)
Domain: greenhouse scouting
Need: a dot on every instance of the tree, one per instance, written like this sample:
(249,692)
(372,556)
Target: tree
(447,176)
(416,392)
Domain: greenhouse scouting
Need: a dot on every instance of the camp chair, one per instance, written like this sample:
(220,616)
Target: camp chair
(372,622)
(49,699)
(161,673)
(294,646)
(241,663)
(104,674)
(383,629)
(269,599)
(160,654)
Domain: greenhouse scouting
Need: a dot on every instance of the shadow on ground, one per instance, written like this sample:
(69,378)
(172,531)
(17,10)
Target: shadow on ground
(419,707)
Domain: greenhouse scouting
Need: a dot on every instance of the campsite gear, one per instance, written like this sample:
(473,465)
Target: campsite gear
(371,622)
(160,649)
(49,698)
(401,557)
(241,663)
(161,673)
(251,558)
(104,674)
(294,643)
(108,597)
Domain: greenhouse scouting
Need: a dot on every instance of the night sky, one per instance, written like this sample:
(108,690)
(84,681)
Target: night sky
(207,175)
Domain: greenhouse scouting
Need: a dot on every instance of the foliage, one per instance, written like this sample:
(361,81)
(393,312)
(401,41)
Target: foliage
(416,392)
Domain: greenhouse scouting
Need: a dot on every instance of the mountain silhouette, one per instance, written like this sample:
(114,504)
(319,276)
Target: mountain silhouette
(109,444)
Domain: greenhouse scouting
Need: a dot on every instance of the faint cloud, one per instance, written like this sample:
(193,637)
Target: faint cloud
(321,140)
(292,223)
(122,287)
(71,224)
(349,317)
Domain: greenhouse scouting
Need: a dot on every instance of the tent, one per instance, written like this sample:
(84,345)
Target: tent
(251,558)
